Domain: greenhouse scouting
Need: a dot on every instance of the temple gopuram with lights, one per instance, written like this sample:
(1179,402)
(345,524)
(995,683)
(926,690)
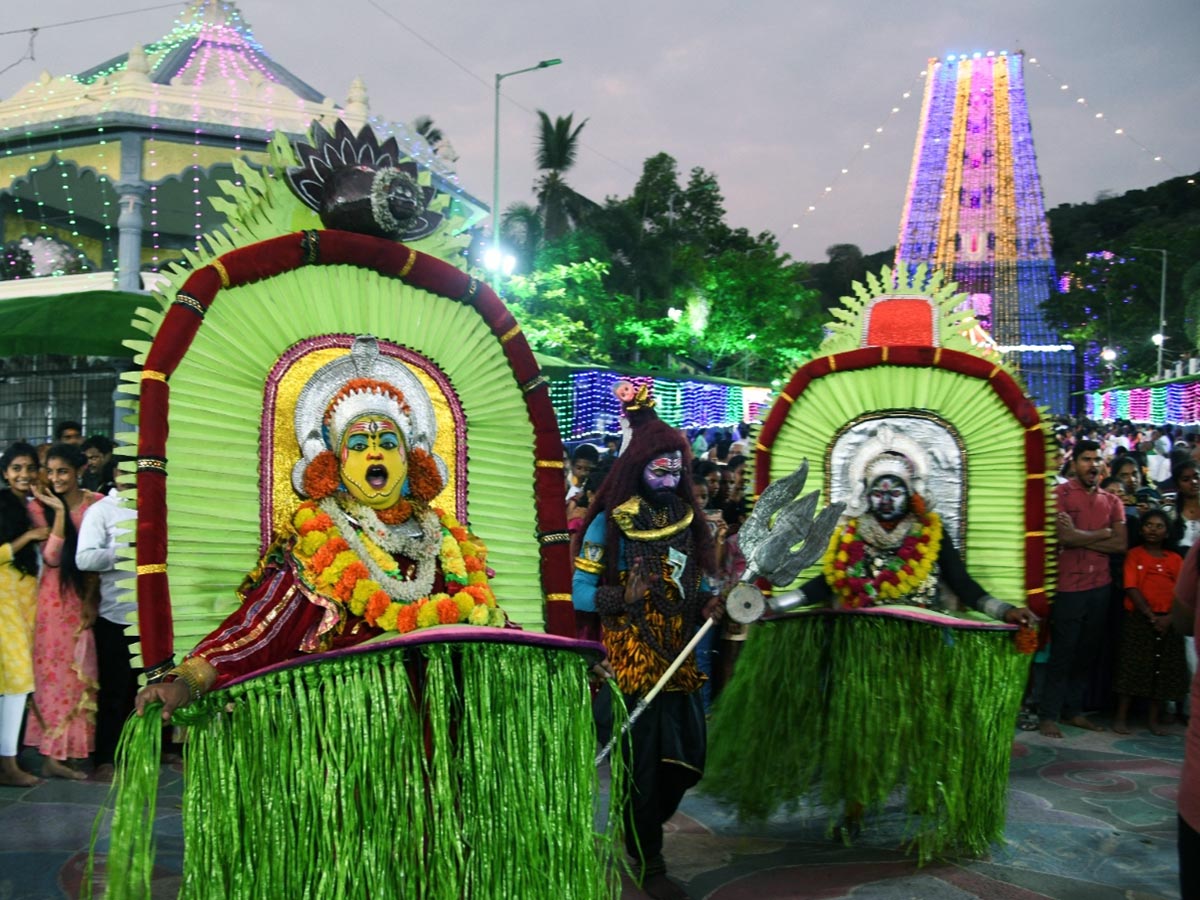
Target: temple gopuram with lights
(110,174)
(974,209)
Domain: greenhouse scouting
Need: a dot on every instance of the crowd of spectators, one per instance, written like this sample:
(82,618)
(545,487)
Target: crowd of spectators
(1132,659)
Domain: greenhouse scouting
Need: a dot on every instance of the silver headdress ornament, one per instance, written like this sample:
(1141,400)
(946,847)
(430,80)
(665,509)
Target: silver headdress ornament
(887,452)
(417,422)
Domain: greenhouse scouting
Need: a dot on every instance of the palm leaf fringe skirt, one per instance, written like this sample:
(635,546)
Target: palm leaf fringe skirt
(857,710)
(443,770)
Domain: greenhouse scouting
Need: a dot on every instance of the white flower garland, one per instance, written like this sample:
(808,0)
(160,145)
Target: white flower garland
(422,548)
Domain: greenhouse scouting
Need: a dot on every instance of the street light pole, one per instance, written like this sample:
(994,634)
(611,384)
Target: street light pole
(1162,305)
(544,64)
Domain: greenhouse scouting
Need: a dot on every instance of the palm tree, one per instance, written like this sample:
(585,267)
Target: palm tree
(521,230)
(560,207)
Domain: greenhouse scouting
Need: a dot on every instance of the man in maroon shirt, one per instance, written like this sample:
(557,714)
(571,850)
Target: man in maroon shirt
(1090,525)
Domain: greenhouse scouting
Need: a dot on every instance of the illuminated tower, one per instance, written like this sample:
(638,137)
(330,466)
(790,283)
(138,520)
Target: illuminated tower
(974,209)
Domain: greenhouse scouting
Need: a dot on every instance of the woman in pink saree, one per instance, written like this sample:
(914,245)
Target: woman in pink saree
(62,720)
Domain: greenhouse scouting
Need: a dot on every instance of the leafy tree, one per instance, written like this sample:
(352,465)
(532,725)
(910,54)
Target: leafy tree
(565,310)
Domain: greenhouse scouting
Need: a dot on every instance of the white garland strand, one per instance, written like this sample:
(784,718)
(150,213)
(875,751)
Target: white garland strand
(422,548)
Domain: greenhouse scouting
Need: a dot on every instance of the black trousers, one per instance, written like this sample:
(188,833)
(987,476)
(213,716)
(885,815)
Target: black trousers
(118,686)
(664,754)
(1076,636)
(1189,861)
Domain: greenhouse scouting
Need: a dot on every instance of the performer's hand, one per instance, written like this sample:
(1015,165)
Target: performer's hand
(714,608)
(1021,615)
(602,671)
(172,695)
(1162,623)
(635,589)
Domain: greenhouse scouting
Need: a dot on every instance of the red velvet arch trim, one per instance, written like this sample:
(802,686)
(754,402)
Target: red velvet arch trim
(998,379)
(284,254)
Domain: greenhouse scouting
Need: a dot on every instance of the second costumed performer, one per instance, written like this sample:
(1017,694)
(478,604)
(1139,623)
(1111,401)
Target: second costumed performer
(646,566)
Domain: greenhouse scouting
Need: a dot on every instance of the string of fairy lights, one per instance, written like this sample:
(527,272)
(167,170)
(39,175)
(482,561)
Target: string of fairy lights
(820,197)
(1100,118)
(851,165)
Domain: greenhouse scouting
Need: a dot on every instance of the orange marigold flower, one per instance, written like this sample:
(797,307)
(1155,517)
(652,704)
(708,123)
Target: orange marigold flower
(424,479)
(473,564)
(323,557)
(406,619)
(377,606)
(321,477)
(357,570)
(479,592)
(400,511)
(447,611)
(459,533)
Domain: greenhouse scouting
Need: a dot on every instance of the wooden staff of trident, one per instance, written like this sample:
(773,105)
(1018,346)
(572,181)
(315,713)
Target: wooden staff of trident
(779,540)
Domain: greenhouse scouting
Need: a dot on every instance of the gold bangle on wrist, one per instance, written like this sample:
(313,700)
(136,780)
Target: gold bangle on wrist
(197,674)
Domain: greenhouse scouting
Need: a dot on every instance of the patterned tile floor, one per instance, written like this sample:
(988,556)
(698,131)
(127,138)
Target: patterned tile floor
(1091,817)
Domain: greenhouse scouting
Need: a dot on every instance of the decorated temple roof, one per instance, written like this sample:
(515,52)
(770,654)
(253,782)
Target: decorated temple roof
(209,70)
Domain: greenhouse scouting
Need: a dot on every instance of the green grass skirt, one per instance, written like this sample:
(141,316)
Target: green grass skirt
(845,709)
(438,771)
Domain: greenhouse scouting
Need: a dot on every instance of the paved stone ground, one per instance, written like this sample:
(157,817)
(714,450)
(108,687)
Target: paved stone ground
(1091,817)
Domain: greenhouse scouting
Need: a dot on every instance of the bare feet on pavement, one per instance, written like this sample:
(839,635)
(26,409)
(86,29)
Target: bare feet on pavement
(1084,723)
(1048,728)
(52,768)
(1120,727)
(12,775)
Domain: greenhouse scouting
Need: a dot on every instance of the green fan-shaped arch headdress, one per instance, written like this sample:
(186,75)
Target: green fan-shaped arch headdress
(272,296)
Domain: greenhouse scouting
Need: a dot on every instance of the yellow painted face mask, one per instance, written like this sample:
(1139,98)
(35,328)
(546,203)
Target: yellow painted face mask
(373,461)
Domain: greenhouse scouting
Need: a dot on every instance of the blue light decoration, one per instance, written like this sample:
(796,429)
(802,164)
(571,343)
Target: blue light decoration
(974,210)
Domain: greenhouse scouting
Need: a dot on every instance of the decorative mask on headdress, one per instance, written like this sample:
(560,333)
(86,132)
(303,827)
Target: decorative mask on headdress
(358,184)
(366,425)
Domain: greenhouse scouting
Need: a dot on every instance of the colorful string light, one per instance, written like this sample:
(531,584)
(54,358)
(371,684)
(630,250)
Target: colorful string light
(1175,403)
(586,406)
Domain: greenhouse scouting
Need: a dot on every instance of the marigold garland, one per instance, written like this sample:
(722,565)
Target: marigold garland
(334,568)
(904,572)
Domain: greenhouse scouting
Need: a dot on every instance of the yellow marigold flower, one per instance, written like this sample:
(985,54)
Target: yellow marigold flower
(495,616)
(311,543)
(381,557)
(843,556)
(478,615)
(303,514)
(387,619)
(364,589)
(427,615)
(477,578)
(333,572)
(466,604)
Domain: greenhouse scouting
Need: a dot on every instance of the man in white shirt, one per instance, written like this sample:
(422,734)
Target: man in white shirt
(104,536)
